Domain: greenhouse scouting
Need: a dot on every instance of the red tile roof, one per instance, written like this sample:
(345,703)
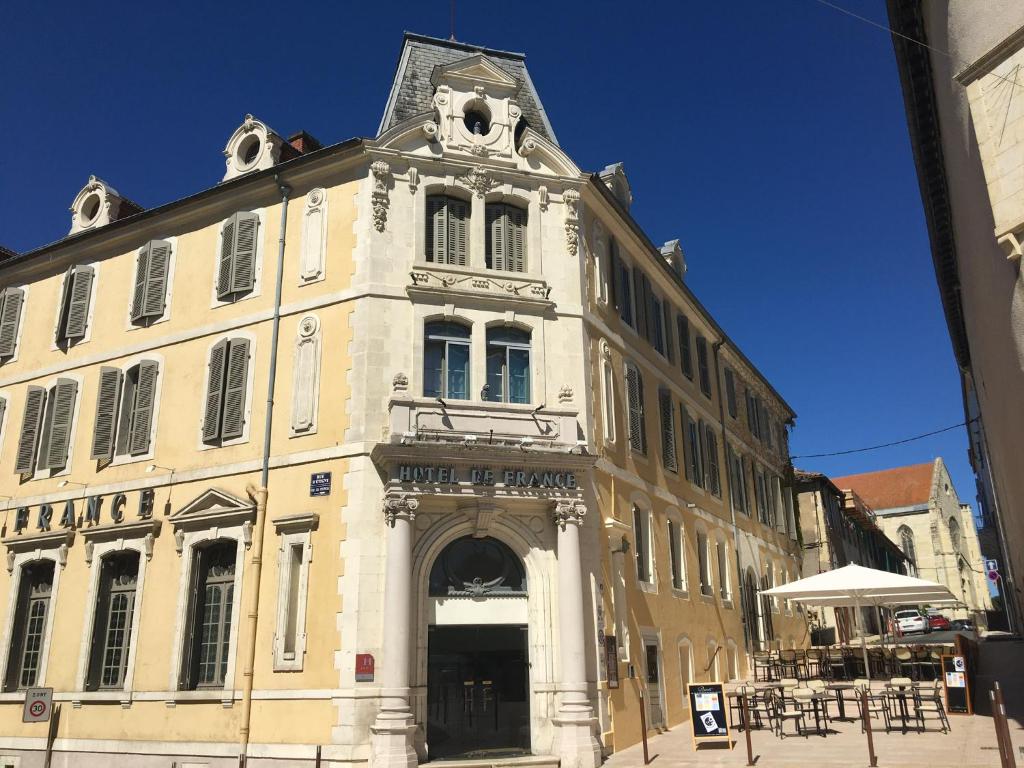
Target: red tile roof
(888,488)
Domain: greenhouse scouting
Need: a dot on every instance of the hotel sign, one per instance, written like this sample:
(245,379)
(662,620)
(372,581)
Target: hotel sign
(47,516)
(486,476)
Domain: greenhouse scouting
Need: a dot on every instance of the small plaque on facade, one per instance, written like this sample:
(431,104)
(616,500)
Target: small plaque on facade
(38,704)
(611,654)
(320,484)
(364,668)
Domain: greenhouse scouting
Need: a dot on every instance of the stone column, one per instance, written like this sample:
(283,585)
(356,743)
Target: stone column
(576,744)
(391,743)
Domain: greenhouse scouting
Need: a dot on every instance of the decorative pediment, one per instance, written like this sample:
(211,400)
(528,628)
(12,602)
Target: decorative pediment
(214,509)
(474,70)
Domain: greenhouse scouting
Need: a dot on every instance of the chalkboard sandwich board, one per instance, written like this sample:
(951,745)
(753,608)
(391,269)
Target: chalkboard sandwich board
(708,716)
(958,688)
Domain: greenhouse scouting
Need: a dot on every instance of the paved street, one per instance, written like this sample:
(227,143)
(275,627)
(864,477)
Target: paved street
(970,744)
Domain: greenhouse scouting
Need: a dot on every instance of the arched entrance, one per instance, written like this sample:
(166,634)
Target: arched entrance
(751,621)
(478,692)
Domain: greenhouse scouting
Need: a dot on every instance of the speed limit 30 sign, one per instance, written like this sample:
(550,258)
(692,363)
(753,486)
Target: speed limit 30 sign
(38,704)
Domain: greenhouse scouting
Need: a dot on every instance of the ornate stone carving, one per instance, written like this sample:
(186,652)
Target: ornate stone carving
(430,131)
(606,351)
(569,512)
(572,221)
(62,554)
(401,505)
(314,236)
(414,180)
(89,547)
(10,561)
(147,545)
(565,394)
(542,197)
(306,377)
(400,383)
(179,541)
(527,148)
(479,180)
(380,171)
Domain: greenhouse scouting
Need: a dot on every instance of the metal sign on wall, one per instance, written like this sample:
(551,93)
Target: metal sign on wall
(38,705)
(320,484)
(364,668)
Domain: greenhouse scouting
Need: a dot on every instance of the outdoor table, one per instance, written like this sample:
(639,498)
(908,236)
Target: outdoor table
(839,688)
(819,700)
(900,692)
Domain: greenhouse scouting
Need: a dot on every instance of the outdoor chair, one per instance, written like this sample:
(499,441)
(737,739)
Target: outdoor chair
(788,666)
(801,664)
(787,710)
(762,667)
(877,704)
(788,684)
(762,709)
(813,661)
(923,664)
(900,693)
(928,703)
(827,697)
(890,662)
(854,663)
(736,703)
(903,662)
(836,664)
(804,699)
(935,655)
(877,660)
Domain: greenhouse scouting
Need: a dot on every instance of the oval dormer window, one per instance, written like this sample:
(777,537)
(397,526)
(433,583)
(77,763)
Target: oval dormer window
(249,151)
(477,122)
(91,209)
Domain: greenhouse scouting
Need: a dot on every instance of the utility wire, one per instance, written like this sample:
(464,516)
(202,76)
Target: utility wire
(885,445)
(891,31)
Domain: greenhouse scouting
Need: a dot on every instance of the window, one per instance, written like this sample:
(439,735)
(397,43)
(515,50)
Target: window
(677,554)
(76,298)
(294,554)
(657,325)
(732,666)
(642,539)
(446,360)
(666,324)
(211,605)
(635,396)
(713,482)
(28,633)
(625,294)
(702,365)
(46,427)
(694,461)
(150,291)
(730,392)
(641,302)
(447,236)
(124,411)
(608,387)
(685,670)
(226,390)
(506,237)
(236,266)
(761,495)
(685,352)
(668,431)
(723,570)
(11,302)
(737,485)
(112,627)
(508,365)
(954,535)
(703,560)
(906,537)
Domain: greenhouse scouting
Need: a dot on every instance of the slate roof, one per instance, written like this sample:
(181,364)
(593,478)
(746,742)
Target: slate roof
(891,488)
(411,92)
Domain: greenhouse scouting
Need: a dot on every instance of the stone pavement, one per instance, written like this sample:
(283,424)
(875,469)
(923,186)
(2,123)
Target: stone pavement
(970,744)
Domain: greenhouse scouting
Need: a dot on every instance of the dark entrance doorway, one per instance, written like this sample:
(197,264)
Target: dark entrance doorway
(478,691)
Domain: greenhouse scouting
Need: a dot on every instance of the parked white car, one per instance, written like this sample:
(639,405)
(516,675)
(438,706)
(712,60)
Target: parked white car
(909,621)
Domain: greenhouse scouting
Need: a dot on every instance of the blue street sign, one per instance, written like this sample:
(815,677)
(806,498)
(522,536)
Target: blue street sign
(320,484)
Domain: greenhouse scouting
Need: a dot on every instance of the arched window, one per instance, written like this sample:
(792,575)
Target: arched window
(447,235)
(506,237)
(446,360)
(28,635)
(906,537)
(954,534)
(470,567)
(212,603)
(508,365)
(112,628)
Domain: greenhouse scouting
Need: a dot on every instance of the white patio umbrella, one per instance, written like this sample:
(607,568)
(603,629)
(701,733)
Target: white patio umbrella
(856,586)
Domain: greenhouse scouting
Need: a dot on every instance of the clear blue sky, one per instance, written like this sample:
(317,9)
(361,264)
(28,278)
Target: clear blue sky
(769,137)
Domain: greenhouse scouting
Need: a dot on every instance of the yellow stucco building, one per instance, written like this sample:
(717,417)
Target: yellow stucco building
(404,448)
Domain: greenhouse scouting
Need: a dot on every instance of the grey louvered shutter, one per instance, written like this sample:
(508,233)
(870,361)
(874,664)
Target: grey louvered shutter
(668,432)
(139,287)
(156,278)
(213,407)
(65,302)
(613,266)
(634,395)
(124,422)
(142,414)
(236,378)
(61,416)
(106,414)
(497,236)
(639,303)
(227,248)
(10,317)
(684,423)
(3,409)
(437,230)
(78,303)
(243,260)
(28,441)
(458,231)
(685,351)
(516,227)
(670,352)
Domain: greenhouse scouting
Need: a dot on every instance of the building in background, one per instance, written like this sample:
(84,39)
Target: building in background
(961,64)
(437,520)
(918,508)
(840,529)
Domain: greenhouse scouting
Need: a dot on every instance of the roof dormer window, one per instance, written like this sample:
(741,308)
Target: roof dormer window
(477,119)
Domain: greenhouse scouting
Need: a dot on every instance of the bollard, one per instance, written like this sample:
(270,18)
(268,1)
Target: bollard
(867,727)
(999,730)
(746,728)
(643,727)
(1002,727)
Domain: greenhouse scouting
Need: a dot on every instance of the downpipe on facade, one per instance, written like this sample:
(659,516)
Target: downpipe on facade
(259,495)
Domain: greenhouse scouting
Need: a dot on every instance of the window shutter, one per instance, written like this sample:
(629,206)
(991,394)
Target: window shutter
(684,422)
(106,414)
(668,436)
(3,409)
(730,391)
(122,442)
(497,237)
(227,246)
(60,427)
(78,304)
(139,289)
(517,239)
(156,278)
(685,353)
(458,235)
(142,416)
(613,266)
(65,302)
(670,352)
(639,303)
(235,388)
(10,315)
(437,230)
(215,391)
(243,260)
(35,400)
(189,660)
(634,393)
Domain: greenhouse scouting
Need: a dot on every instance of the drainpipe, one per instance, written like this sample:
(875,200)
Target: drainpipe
(748,635)
(260,496)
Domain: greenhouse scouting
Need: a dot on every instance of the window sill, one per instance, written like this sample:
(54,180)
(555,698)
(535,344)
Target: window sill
(727,602)
(648,586)
(224,696)
(682,594)
(707,597)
